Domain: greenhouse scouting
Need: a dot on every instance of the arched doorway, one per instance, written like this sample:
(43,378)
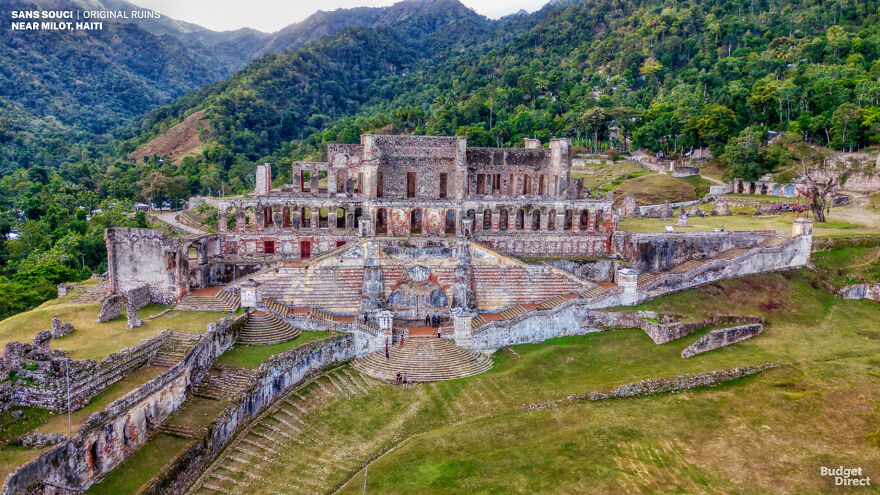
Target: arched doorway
(415,221)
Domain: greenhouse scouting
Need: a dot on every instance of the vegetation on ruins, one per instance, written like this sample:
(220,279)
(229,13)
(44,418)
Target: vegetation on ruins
(668,76)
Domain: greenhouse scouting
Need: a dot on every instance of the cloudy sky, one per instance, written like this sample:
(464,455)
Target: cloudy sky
(272,15)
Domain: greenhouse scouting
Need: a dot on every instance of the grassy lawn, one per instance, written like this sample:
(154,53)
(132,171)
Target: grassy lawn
(743,437)
(252,356)
(656,188)
(473,436)
(197,412)
(93,340)
(138,470)
(602,178)
(769,199)
(781,223)
(58,422)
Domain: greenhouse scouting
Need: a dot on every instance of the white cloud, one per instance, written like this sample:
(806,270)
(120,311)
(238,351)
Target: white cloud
(272,15)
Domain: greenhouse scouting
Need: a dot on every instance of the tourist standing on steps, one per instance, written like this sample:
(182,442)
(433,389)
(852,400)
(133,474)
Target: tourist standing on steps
(404,379)
(387,356)
(438,332)
(397,380)
(427,320)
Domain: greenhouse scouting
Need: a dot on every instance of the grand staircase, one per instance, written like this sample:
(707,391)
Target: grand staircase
(225,382)
(174,348)
(424,359)
(263,328)
(216,300)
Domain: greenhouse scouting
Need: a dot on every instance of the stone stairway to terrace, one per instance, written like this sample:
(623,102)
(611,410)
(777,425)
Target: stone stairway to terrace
(174,348)
(278,308)
(210,299)
(180,431)
(225,382)
(262,328)
(424,359)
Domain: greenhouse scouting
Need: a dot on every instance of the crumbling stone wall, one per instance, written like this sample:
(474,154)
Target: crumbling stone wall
(662,251)
(112,308)
(277,376)
(601,270)
(42,373)
(717,339)
(138,257)
(60,329)
(861,291)
(110,436)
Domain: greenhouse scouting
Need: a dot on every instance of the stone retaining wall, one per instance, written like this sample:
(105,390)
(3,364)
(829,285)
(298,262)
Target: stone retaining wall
(112,435)
(861,291)
(42,377)
(278,375)
(663,251)
(659,385)
(723,337)
(593,270)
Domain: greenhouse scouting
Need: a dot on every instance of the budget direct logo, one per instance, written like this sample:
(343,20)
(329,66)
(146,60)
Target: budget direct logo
(846,476)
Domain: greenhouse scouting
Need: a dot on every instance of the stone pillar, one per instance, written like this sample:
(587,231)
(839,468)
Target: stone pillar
(801,226)
(467,227)
(385,320)
(222,219)
(365,226)
(263,180)
(315,216)
(576,220)
(239,221)
(331,217)
(478,220)
(560,220)
(545,219)
(463,326)
(314,179)
(331,183)
(296,177)
(496,219)
(250,294)
(627,278)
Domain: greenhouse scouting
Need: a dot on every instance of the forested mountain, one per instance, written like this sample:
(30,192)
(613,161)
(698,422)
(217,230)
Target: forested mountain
(665,75)
(669,75)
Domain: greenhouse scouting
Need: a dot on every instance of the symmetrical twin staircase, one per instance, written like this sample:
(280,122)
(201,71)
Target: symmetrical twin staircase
(263,328)
(221,302)
(225,382)
(424,359)
(174,348)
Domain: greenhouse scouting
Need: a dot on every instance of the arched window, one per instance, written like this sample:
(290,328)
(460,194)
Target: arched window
(551,220)
(487,219)
(415,221)
(568,215)
(585,219)
(536,219)
(520,219)
(502,219)
(450,221)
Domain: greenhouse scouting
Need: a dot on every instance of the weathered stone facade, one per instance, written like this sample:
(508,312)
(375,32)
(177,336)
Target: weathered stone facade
(404,186)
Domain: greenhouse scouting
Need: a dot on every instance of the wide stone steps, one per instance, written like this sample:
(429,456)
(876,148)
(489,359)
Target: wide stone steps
(513,311)
(225,382)
(595,291)
(424,359)
(263,328)
(646,278)
(178,431)
(731,253)
(686,266)
(174,348)
(223,302)
(775,241)
(276,307)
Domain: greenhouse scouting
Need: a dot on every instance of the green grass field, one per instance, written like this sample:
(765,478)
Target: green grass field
(836,225)
(473,435)
(93,340)
(252,356)
(656,188)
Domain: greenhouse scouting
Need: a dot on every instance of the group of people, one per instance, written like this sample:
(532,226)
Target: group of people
(432,321)
(401,379)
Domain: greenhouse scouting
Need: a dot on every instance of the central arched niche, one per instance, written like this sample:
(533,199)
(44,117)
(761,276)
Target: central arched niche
(418,296)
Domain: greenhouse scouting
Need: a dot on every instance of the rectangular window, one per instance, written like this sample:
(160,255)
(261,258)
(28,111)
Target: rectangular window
(380,185)
(268,247)
(481,183)
(540,184)
(410,184)
(443,185)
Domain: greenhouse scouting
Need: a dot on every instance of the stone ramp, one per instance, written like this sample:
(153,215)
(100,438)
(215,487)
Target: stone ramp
(225,382)
(263,328)
(211,299)
(424,359)
(174,348)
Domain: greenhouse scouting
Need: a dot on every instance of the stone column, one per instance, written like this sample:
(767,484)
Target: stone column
(314,178)
(801,226)
(478,220)
(559,225)
(496,219)
(385,320)
(239,220)
(463,326)
(315,217)
(331,217)
(250,294)
(545,220)
(331,183)
(296,178)
(627,278)
(222,219)
(576,220)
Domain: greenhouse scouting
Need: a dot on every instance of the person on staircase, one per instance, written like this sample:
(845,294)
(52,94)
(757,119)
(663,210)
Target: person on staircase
(398,379)
(404,380)
(427,320)
(438,331)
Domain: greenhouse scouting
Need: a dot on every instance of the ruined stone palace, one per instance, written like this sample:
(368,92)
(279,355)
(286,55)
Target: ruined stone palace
(402,227)
(520,200)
